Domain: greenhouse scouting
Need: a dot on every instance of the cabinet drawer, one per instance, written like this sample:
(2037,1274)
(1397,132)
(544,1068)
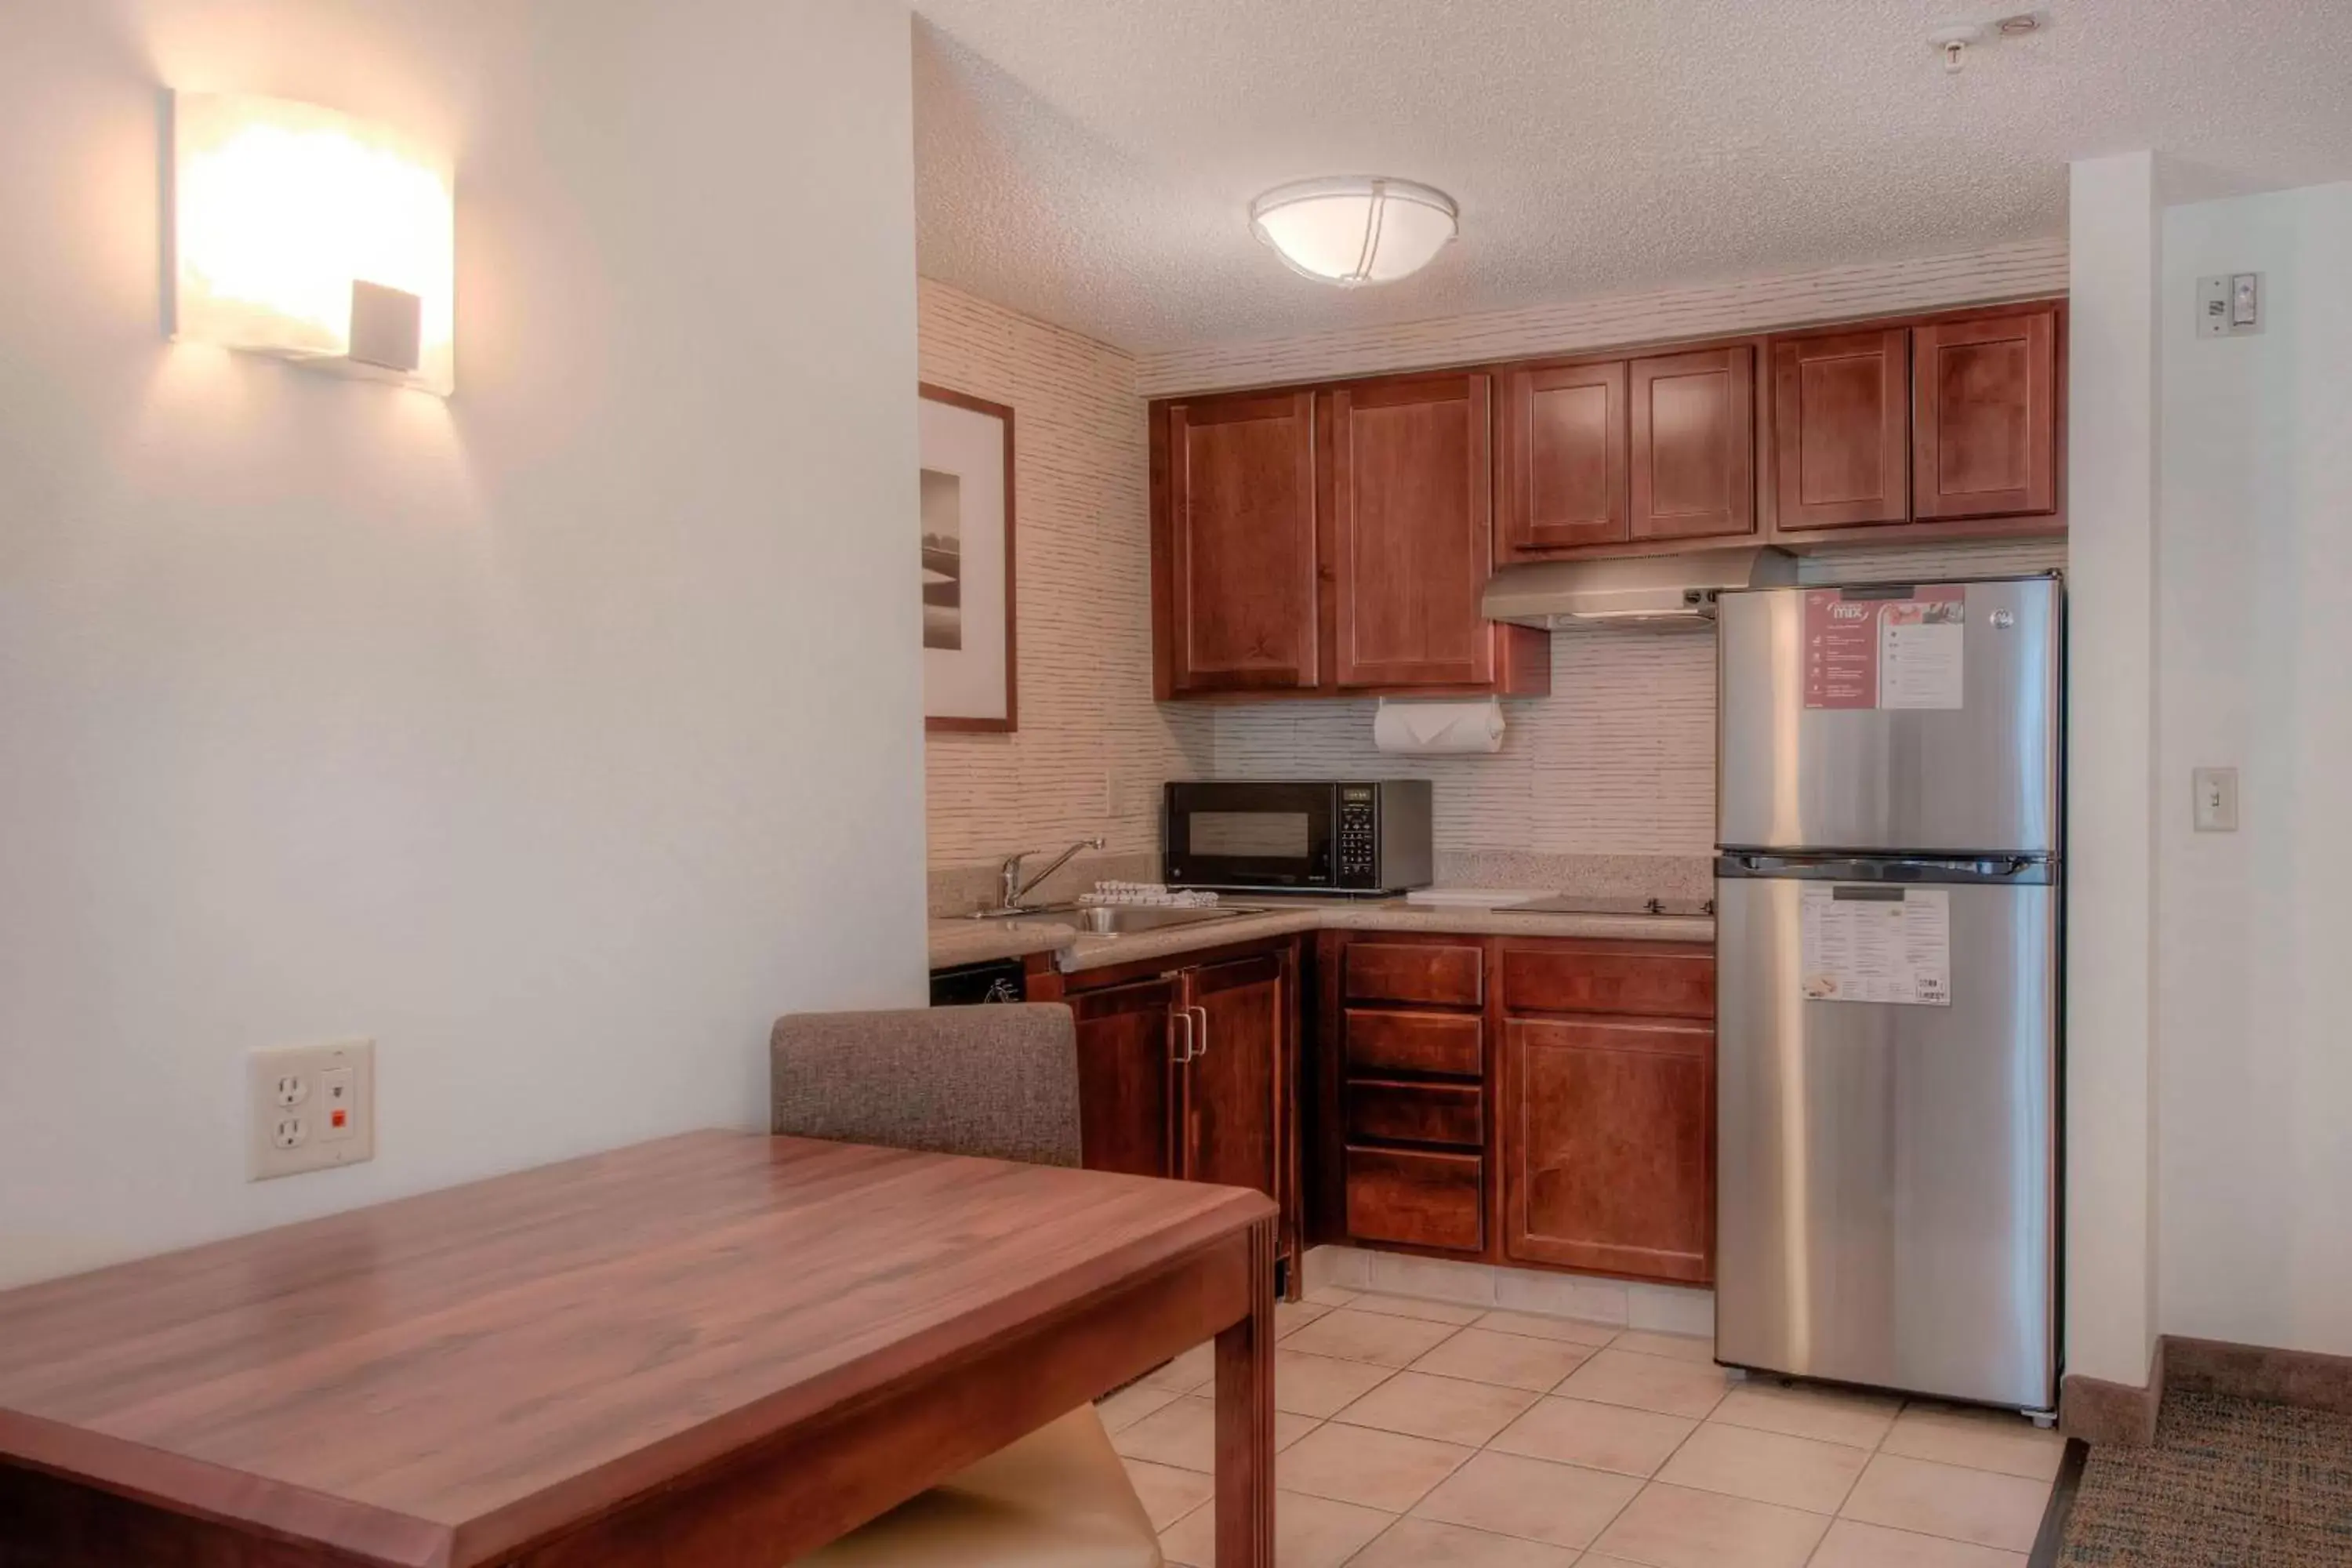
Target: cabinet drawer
(1416,1112)
(1416,1199)
(1380,1042)
(1660,982)
(1436,974)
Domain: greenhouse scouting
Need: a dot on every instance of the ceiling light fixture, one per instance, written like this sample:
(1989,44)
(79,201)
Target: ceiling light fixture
(1954,36)
(1353,230)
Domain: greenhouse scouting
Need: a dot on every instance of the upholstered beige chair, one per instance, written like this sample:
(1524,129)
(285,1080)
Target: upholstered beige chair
(1003,1082)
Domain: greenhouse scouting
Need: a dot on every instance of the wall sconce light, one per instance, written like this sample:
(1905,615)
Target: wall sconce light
(308,234)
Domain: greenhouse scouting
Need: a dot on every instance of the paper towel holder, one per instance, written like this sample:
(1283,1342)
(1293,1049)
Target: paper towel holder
(1424,727)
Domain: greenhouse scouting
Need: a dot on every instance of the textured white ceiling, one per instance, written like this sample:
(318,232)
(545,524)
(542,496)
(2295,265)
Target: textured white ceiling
(1091,161)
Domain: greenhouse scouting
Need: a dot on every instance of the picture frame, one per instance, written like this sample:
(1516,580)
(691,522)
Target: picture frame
(966,527)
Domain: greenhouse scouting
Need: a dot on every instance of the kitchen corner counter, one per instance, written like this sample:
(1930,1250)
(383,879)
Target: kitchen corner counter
(962,940)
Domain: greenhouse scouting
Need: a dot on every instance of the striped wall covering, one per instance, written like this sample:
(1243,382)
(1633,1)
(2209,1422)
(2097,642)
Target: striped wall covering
(1083,600)
(1620,760)
(1791,300)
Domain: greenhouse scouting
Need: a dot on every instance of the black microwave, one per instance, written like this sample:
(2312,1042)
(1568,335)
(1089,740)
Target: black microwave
(1318,836)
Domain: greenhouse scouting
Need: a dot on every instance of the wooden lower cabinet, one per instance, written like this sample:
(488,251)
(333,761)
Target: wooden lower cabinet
(1129,1077)
(1187,1069)
(1531,1101)
(1608,1146)
(1232,1086)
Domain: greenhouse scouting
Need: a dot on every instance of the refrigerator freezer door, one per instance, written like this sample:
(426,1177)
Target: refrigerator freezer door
(1886,1174)
(1979,777)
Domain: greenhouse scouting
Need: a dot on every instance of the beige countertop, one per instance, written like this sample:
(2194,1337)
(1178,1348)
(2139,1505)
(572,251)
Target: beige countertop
(962,940)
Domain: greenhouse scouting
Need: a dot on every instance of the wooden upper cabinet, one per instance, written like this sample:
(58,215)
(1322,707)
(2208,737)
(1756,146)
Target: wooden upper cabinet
(1413,532)
(1237,544)
(1985,416)
(1694,444)
(1565,458)
(1842,430)
(1340,538)
(1608,1146)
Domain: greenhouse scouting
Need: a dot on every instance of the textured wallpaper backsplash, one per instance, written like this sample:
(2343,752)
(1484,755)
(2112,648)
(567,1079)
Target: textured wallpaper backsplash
(1619,760)
(1093,748)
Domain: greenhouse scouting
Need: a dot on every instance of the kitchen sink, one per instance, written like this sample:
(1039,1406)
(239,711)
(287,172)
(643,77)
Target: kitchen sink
(1125,919)
(1120,920)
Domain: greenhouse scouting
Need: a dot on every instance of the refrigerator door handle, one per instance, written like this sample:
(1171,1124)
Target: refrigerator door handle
(2011,871)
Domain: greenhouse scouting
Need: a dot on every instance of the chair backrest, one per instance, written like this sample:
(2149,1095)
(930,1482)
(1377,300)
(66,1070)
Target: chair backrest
(998,1081)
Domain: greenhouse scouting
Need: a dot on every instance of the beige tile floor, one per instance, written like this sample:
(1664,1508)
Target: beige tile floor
(1416,1434)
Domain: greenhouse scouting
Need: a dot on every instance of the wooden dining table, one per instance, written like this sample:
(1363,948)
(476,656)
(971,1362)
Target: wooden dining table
(718,1350)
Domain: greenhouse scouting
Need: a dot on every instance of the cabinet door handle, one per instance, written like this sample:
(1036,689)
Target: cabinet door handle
(1203,1049)
(1185,1015)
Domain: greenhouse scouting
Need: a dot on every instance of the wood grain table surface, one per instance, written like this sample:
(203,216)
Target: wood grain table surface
(717,1349)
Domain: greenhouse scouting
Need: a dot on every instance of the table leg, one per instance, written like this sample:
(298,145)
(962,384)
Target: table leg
(1245,1420)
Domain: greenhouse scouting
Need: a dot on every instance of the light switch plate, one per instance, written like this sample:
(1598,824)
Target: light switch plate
(2216,799)
(312,1107)
(2229,305)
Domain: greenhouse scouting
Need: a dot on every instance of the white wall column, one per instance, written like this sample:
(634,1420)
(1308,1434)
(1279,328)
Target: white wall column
(2112,439)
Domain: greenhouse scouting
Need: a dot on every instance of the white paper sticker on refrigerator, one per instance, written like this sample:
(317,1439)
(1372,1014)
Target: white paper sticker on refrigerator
(1871,942)
(1921,649)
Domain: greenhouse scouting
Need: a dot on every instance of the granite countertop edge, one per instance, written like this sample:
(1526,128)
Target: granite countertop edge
(955,942)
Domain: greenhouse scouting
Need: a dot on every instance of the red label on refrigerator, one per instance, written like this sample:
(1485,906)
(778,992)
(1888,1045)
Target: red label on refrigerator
(1856,648)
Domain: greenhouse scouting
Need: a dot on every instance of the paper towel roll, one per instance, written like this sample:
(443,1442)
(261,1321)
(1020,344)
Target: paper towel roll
(1438,729)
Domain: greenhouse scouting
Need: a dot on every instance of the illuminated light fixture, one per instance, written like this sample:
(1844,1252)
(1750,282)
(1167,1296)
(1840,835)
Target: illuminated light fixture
(308,234)
(1355,230)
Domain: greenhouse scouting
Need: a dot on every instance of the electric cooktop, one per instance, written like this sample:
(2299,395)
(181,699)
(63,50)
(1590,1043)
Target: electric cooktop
(1582,904)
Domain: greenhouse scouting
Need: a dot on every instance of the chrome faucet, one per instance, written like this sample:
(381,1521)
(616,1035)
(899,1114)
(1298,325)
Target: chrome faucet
(1015,887)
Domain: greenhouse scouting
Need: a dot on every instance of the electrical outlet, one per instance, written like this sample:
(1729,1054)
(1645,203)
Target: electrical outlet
(313,1106)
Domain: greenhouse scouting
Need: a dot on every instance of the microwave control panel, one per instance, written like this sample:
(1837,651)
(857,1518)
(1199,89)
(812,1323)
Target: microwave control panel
(1358,837)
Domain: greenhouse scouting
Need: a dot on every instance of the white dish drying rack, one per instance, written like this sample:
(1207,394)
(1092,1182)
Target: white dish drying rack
(1151,895)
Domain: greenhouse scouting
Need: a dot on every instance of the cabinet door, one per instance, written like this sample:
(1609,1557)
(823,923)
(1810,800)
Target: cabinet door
(1842,430)
(1128,1076)
(1985,417)
(1413,530)
(1232,1096)
(1565,458)
(1695,444)
(1236,546)
(1607,1146)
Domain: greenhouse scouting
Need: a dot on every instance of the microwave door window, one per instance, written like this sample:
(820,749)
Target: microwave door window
(1250,836)
(1286,836)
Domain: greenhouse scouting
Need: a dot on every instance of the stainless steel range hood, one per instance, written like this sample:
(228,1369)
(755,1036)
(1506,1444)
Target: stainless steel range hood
(1653,592)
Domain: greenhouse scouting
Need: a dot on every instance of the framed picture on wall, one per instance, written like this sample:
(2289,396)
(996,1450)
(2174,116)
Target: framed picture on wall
(966,446)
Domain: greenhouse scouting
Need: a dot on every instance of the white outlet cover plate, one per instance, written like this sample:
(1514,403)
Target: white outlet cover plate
(275,1149)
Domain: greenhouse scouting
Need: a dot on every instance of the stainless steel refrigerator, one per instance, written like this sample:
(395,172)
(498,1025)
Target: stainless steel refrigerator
(1888,903)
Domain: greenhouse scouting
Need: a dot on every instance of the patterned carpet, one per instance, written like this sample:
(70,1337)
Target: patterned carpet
(2230,1483)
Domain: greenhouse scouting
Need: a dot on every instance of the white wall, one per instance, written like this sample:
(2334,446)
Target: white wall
(558,737)
(2113,436)
(2255,927)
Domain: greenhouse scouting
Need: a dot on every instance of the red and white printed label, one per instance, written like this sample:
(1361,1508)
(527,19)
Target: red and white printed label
(1884,653)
